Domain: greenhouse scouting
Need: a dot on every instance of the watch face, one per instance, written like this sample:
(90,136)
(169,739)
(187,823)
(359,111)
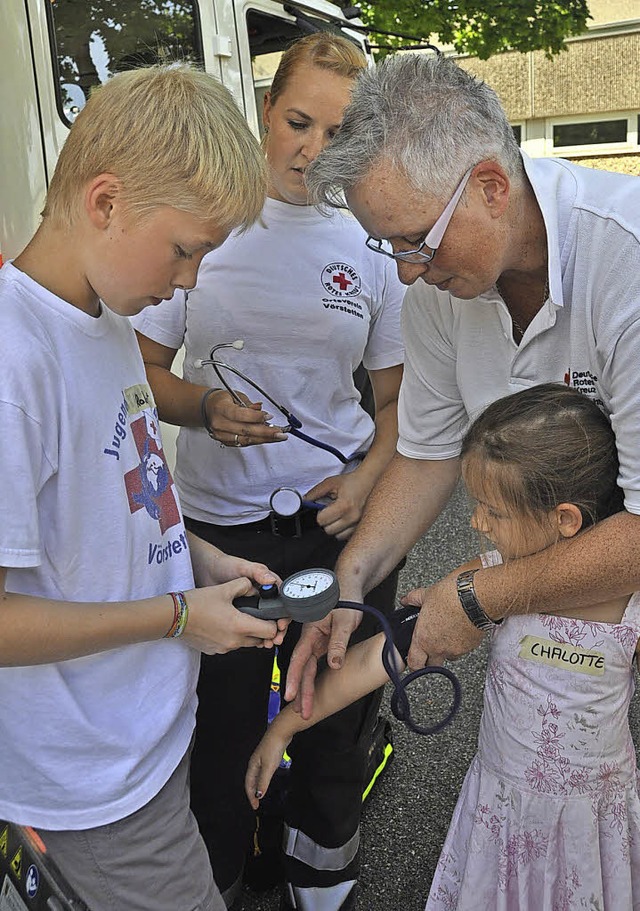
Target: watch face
(308,583)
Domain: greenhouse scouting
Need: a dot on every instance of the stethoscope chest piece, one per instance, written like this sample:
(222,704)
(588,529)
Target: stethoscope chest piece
(285,501)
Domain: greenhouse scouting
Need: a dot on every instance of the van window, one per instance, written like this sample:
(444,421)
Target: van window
(270,35)
(92,41)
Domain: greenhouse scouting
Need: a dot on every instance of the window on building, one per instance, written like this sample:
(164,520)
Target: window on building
(613,133)
(591,132)
(87,49)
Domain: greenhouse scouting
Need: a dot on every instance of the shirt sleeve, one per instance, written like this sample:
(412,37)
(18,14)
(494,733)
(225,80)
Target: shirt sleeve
(491,558)
(164,323)
(25,469)
(385,347)
(619,378)
(615,289)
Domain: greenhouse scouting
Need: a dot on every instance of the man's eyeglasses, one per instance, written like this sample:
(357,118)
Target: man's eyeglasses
(433,239)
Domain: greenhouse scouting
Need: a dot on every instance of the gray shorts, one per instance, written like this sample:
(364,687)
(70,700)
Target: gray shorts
(152,860)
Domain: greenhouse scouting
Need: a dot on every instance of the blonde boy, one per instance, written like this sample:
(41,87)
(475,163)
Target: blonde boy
(98,664)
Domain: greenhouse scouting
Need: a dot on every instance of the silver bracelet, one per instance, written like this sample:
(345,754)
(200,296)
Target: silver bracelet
(203,412)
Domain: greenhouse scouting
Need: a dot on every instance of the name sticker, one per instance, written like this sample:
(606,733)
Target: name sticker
(564,655)
(138,398)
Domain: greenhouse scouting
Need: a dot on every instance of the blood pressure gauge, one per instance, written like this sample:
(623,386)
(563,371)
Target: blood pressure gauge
(309,594)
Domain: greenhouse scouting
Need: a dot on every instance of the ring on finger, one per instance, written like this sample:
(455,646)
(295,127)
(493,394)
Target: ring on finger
(236,440)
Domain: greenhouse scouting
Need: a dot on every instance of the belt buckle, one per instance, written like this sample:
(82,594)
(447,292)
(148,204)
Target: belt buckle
(294,528)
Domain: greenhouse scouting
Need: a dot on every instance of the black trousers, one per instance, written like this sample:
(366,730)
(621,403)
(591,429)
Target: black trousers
(324,795)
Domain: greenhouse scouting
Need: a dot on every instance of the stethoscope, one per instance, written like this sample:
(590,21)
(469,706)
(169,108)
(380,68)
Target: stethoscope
(287,502)
(293,423)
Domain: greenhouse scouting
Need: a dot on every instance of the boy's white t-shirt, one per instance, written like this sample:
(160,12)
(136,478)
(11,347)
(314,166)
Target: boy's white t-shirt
(88,512)
(332,304)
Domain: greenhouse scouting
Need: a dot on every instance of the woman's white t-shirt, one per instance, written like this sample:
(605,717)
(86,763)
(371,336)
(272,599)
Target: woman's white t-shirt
(311,302)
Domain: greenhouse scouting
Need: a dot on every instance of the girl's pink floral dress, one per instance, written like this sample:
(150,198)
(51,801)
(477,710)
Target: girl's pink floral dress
(548,818)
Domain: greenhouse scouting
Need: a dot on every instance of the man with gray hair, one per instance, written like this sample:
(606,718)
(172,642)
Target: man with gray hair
(530,273)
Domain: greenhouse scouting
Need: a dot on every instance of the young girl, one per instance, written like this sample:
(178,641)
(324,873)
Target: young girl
(549,814)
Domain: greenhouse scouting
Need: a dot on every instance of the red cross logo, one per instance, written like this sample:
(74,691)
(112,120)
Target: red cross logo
(150,484)
(341,279)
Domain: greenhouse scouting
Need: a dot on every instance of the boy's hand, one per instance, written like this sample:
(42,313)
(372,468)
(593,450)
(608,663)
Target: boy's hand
(263,764)
(215,626)
(221,567)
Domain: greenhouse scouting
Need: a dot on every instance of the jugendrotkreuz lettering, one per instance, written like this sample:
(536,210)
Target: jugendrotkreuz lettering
(562,654)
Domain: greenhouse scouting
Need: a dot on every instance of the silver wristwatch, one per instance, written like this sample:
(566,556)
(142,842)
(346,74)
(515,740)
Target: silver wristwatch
(470,604)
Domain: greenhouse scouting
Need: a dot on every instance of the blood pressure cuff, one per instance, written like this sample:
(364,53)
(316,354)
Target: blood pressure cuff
(403,623)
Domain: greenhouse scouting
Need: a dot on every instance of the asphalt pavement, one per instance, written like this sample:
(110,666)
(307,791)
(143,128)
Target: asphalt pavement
(406,816)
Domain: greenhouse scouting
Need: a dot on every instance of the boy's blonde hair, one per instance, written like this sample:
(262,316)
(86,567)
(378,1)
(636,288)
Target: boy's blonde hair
(173,136)
(326,51)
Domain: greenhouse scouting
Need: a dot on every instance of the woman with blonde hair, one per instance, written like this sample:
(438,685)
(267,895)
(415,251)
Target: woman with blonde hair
(310,303)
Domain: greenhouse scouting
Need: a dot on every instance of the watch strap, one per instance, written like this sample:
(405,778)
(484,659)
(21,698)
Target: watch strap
(470,604)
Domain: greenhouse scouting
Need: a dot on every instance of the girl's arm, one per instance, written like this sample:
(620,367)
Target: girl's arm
(361,673)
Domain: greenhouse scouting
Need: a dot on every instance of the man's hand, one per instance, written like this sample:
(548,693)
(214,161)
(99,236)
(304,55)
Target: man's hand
(443,631)
(329,636)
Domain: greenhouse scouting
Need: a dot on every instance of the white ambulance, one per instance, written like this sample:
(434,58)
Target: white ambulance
(53,51)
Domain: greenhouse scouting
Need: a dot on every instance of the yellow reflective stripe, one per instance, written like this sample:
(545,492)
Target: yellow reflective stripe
(388,750)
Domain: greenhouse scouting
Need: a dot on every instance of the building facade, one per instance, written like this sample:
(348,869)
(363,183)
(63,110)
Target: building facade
(584,103)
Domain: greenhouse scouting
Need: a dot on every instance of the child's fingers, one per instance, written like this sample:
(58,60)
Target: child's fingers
(251,782)
(262,768)
(258,778)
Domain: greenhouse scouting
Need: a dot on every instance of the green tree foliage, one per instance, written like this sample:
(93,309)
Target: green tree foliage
(481,27)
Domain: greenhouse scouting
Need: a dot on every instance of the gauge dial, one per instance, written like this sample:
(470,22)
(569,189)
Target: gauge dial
(308,583)
(307,595)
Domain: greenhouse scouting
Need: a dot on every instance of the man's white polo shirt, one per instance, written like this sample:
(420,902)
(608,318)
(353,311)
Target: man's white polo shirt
(460,355)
